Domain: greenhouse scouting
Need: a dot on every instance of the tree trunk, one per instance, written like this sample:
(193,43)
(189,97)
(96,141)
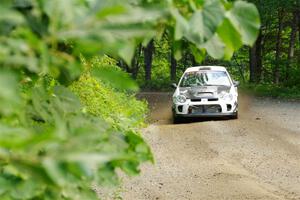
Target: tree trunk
(252,63)
(123,66)
(194,62)
(255,60)
(294,27)
(173,65)
(185,54)
(298,14)
(148,56)
(278,47)
(136,63)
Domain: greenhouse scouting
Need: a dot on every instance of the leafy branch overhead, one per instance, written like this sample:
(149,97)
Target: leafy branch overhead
(115,28)
(219,28)
(56,137)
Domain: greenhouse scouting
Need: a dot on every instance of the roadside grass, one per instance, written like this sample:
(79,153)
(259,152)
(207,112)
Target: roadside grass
(273,91)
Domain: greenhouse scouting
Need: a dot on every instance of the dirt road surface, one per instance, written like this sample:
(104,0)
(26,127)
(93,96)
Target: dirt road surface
(254,157)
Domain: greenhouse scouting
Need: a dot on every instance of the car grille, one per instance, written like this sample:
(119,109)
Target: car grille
(199,100)
(213,99)
(205,109)
(195,100)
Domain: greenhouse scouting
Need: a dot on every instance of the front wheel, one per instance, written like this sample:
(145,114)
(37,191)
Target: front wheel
(177,120)
(235,115)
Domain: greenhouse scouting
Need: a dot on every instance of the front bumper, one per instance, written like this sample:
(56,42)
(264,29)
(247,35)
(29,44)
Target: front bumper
(218,108)
(213,115)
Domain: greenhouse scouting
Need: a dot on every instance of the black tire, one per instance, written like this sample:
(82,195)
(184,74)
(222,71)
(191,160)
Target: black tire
(235,115)
(177,120)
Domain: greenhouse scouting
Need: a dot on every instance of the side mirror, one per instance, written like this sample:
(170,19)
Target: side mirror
(174,85)
(236,83)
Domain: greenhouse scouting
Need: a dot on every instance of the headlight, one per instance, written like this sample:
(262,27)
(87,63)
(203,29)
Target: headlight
(226,96)
(179,99)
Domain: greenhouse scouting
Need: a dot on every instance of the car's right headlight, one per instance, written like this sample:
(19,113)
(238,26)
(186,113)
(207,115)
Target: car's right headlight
(179,99)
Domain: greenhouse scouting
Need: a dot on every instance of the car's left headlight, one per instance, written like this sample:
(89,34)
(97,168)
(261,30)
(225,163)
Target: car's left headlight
(179,99)
(226,96)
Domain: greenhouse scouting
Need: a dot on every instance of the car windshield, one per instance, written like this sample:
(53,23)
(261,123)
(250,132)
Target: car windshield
(205,78)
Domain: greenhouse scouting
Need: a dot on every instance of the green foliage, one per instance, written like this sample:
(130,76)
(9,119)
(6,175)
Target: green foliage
(59,149)
(212,32)
(275,64)
(101,99)
(160,76)
(244,16)
(54,145)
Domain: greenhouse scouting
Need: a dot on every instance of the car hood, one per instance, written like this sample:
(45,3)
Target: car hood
(203,91)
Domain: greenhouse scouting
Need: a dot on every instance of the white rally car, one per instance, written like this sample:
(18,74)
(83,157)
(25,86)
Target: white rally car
(206,91)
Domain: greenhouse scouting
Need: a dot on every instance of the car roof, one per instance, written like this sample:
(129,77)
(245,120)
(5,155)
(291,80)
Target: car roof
(212,68)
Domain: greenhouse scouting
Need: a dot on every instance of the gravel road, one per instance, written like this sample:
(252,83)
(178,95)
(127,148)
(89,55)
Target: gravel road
(254,157)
